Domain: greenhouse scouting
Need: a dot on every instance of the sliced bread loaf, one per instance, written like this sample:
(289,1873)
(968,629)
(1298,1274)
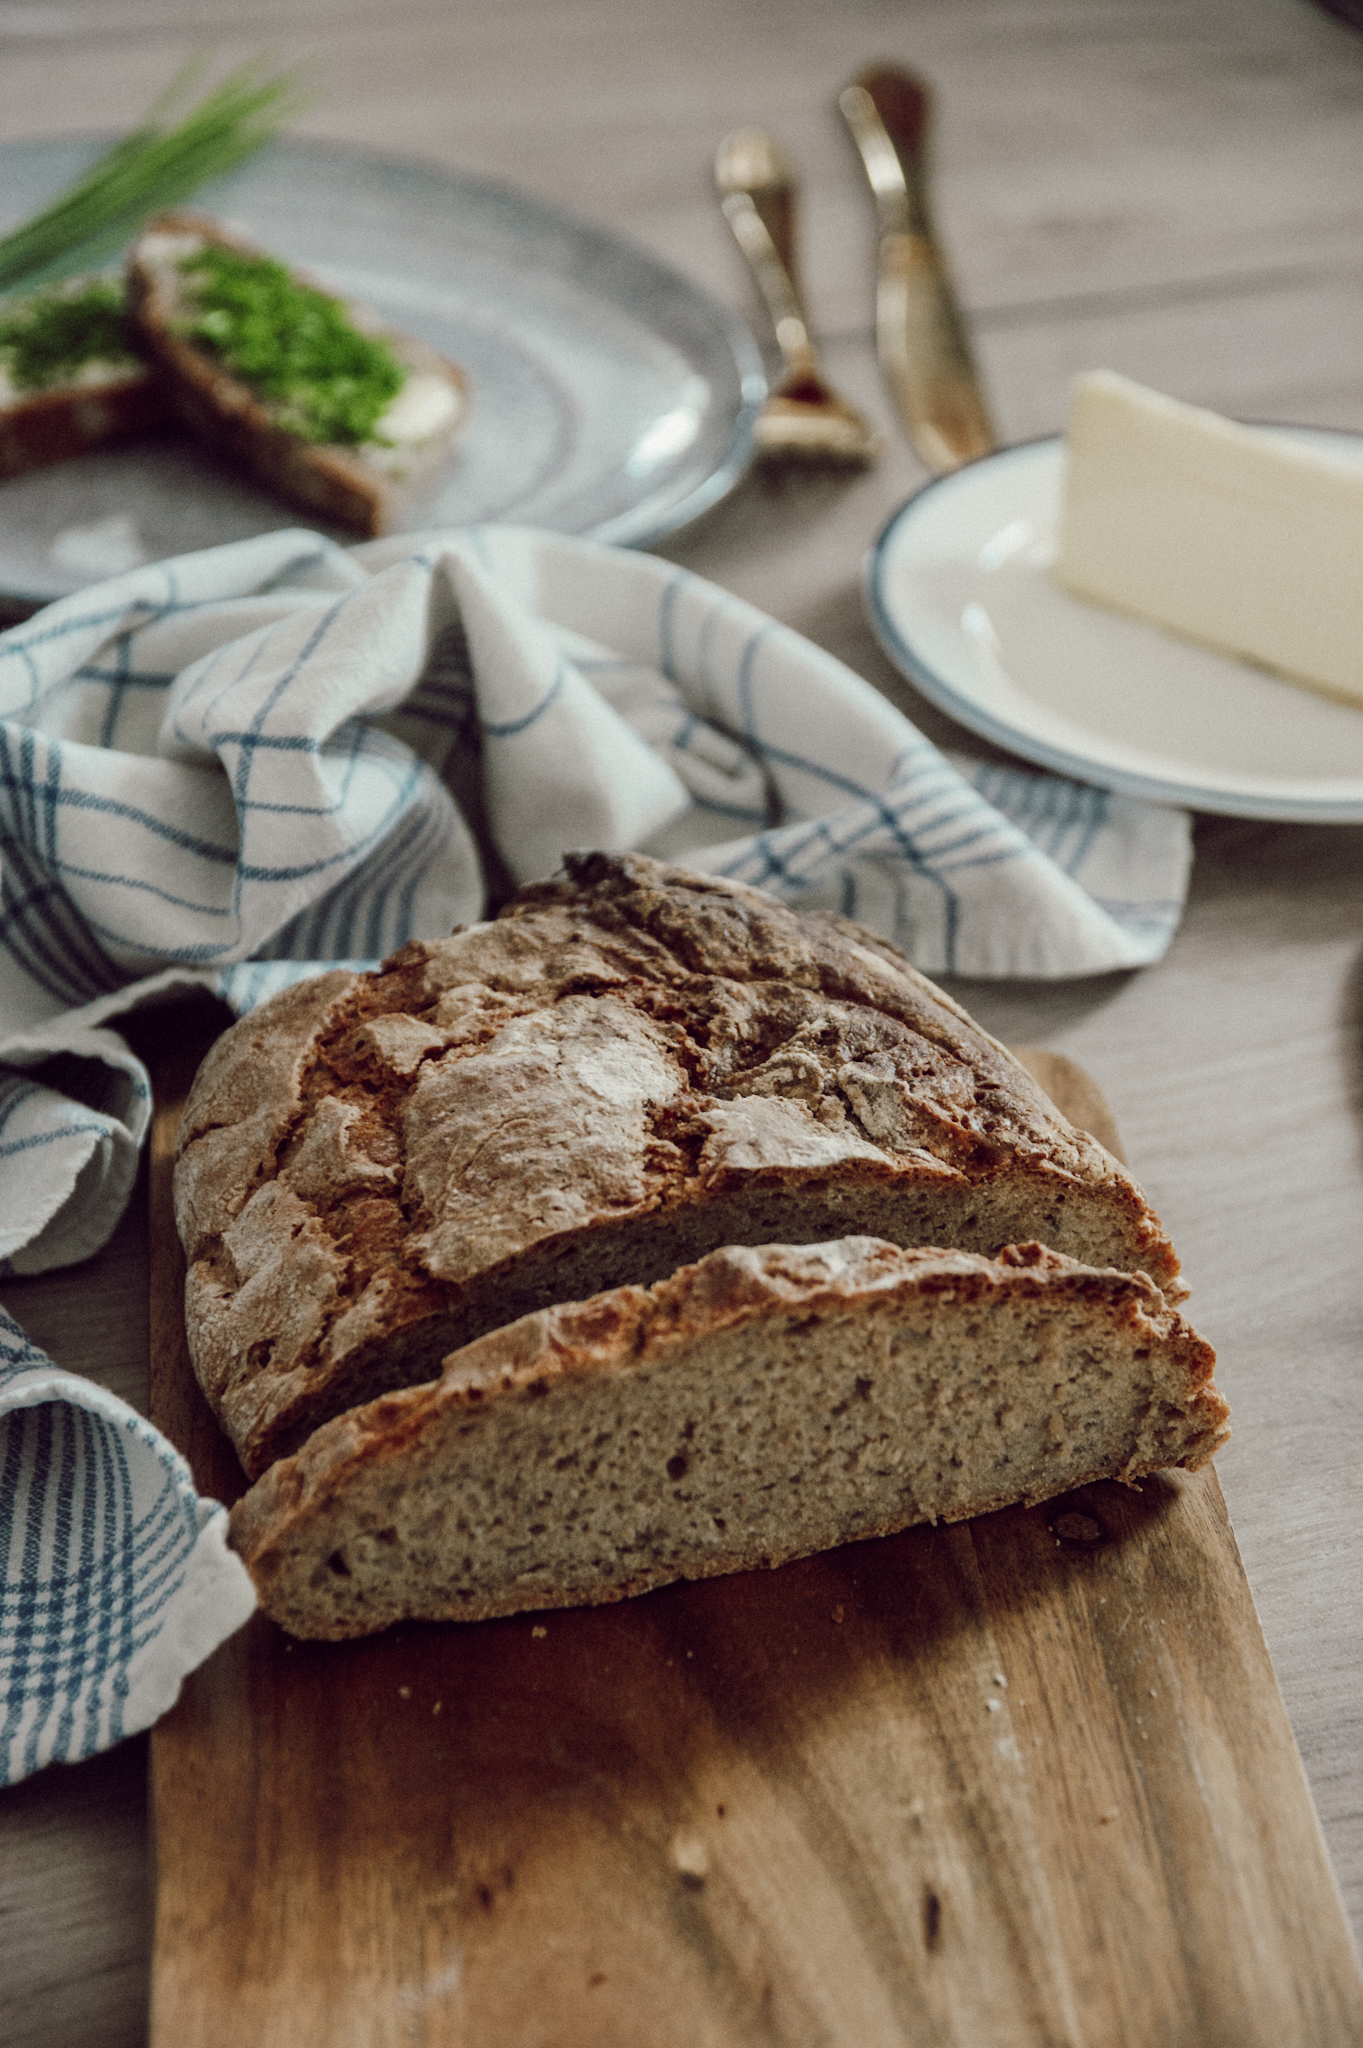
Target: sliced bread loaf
(361,485)
(623,1072)
(760,1405)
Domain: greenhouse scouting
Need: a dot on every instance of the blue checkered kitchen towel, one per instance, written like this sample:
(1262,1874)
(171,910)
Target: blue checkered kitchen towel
(233,767)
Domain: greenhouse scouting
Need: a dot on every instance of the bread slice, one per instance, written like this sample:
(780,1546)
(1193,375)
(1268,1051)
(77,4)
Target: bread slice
(755,1407)
(96,401)
(621,1073)
(362,487)
(41,427)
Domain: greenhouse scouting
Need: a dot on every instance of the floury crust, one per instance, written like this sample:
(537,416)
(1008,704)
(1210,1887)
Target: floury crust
(623,1072)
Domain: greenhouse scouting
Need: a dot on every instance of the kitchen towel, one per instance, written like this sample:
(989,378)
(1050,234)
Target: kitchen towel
(233,767)
(115,1578)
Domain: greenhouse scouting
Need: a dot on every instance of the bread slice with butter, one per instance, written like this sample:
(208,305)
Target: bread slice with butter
(359,480)
(70,381)
(1221,532)
(762,1404)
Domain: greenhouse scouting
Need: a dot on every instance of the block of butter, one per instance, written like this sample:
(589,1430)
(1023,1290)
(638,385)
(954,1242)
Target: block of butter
(1215,530)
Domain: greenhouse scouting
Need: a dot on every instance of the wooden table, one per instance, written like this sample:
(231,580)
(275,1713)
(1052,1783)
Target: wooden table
(1173,190)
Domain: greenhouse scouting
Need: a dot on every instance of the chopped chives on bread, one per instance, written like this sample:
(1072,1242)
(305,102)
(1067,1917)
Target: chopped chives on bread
(623,1072)
(70,379)
(309,435)
(753,1408)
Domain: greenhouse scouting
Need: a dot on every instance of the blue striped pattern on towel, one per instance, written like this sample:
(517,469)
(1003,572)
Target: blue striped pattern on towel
(247,765)
(99,1529)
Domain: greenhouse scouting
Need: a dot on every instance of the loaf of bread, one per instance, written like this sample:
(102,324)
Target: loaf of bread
(363,486)
(623,1072)
(760,1405)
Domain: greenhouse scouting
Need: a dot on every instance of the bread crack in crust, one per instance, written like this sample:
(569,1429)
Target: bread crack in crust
(626,1070)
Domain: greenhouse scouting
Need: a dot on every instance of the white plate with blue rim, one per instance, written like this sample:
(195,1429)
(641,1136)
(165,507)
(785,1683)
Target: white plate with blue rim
(611,397)
(962,598)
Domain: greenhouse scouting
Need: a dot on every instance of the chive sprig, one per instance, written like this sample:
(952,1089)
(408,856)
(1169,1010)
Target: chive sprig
(159,164)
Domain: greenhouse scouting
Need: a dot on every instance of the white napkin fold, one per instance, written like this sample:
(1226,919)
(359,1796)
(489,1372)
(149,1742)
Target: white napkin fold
(232,768)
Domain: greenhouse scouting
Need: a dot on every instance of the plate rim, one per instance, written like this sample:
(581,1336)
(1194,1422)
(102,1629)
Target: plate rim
(939,690)
(639,527)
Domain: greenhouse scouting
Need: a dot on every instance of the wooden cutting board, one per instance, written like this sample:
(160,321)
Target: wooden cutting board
(1024,1781)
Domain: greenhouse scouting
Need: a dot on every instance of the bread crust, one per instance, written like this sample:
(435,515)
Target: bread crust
(42,427)
(402,1481)
(625,1070)
(344,485)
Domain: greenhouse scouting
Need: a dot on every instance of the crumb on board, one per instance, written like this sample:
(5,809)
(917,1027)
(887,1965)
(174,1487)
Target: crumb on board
(689,1855)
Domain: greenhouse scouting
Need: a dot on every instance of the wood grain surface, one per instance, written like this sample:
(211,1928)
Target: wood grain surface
(1027,1780)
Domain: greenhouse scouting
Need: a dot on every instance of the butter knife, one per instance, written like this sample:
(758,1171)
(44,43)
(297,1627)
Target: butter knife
(920,336)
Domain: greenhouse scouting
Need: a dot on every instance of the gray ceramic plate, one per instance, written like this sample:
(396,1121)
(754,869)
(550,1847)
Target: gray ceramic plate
(611,397)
